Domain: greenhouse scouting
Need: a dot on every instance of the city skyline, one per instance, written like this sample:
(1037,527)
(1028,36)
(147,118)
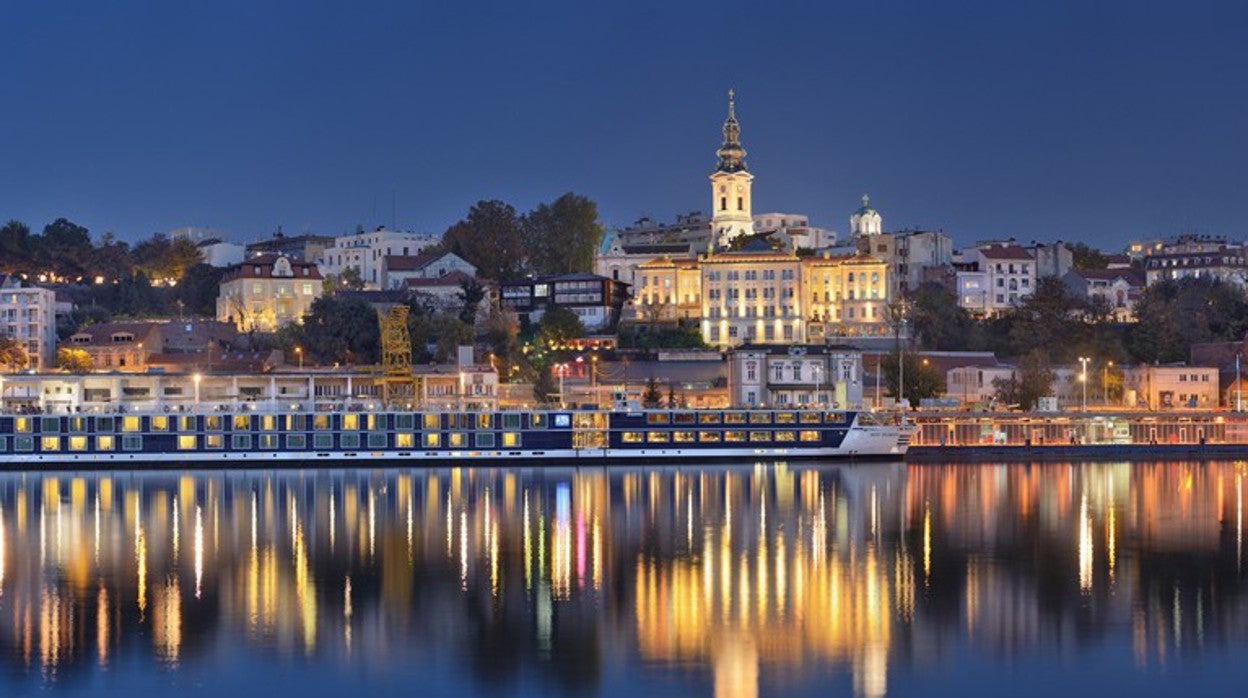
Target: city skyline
(314,118)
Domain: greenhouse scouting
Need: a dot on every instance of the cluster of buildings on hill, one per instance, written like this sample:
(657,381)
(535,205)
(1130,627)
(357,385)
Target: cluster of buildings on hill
(758,286)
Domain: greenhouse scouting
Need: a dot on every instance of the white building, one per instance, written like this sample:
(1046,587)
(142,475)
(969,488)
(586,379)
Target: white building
(1002,274)
(28,315)
(800,375)
(1171,387)
(396,270)
(365,252)
(795,229)
(866,221)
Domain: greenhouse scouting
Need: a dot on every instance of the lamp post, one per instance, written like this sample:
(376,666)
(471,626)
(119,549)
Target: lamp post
(299,353)
(563,369)
(1083,378)
(197,378)
(1105,382)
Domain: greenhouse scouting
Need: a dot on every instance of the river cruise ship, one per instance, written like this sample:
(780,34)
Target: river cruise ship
(294,435)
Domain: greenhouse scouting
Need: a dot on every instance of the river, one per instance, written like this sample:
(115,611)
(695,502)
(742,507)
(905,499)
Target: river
(758,579)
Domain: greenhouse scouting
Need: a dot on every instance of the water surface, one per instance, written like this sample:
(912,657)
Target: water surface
(760,579)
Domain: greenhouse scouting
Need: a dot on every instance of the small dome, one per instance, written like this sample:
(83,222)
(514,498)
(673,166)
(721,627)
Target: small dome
(866,207)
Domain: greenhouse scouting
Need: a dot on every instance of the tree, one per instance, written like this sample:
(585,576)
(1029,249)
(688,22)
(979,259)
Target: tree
(562,237)
(166,260)
(1175,313)
(13,355)
(490,238)
(471,293)
(1043,317)
(199,288)
(64,248)
(437,337)
(1032,380)
(545,387)
(73,360)
(110,260)
(939,323)
(922,379)
(339,330)
(1087,257)
(652,397)
(15,248)
(559,325)
(348,280)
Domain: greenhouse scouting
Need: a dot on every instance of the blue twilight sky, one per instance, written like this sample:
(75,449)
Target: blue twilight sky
(1082,120)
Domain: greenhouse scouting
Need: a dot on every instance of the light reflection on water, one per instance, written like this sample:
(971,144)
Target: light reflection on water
(732,581)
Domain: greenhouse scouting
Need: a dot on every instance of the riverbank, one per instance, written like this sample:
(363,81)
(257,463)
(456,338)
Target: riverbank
(1066,452)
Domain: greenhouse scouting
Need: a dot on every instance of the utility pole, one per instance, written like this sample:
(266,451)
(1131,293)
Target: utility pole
(1083,378)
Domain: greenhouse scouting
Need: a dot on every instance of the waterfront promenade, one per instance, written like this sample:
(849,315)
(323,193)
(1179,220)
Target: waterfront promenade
(1046,436)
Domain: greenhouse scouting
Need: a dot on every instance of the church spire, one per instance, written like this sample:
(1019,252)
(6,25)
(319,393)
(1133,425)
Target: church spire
(731,154)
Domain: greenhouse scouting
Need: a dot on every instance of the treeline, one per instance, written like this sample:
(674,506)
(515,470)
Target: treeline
(556,238)
(1171,316)
(157,277)
(64,252)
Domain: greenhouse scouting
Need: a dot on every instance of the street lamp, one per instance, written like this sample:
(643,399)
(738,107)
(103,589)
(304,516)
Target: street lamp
(1105,381)
(299,353)
(1083,378)
(197,378)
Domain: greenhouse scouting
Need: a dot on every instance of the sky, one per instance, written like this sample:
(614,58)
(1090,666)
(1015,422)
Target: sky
(1085,120)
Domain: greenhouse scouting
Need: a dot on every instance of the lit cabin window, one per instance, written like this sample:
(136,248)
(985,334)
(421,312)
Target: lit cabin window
(22,425)
(130,424)
(457,440)
(404,440)
(159,423)
(320,422)
(710,418)
(214,422)
(350,421)
(432,421)
(242,422)
(785,436)
(734,436)
(431,440)
(633,437)
(50,443)
(708,436)
(760,436)
(810,436)
(105,443)
(214,441)
(682,437)
(657,437)
(77,443)
(511,439)
(186,442)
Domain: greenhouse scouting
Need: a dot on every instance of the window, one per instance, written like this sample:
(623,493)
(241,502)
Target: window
(50,443)
(785,436)
(632,437)
(132,443)
(214,441)
(187,442)
(708,436)
(511,439)
(77,443)
(734,436)
(348,440)
(657,437)
(105,442)
(22,425)
(242,422)
(484,440)
(433,421)
(404,440)
(760,436)
(351,421)
(809,436)
(322,441)
(240,442)
(709,418)
(432,440)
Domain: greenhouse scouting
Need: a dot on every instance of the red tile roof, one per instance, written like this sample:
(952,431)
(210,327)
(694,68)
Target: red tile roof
(1005,252)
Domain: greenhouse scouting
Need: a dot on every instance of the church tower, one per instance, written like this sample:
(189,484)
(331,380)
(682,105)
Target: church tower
(866,220)
(730,186)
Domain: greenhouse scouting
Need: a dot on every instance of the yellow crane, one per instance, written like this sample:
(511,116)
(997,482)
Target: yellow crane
(397,381)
